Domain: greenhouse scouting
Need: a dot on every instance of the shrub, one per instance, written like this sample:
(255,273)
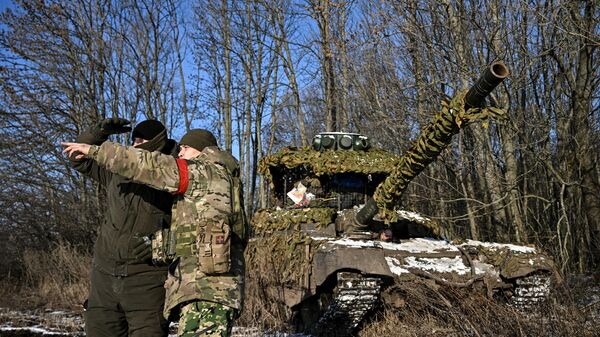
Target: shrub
(58,278)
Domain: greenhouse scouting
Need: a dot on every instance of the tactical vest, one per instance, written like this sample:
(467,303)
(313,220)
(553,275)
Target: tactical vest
(207,202)
(238,220)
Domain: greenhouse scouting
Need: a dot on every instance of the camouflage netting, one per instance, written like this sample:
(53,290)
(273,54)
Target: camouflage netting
(268,221)
(274,265)
(282,259)
(513,265)
(433,140)
(373,161)
(280,252)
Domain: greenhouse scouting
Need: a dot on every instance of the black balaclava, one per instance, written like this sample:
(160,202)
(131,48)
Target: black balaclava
(154,132)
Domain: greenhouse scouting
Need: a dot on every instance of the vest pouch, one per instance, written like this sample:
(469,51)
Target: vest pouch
(163,247)
(214,248)
(158,243)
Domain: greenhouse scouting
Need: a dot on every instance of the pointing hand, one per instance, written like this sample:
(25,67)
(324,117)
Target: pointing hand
(78,149)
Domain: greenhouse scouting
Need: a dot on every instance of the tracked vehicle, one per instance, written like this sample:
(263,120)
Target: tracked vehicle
(334,236)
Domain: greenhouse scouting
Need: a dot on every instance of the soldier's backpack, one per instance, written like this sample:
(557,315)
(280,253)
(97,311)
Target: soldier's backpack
(238,219)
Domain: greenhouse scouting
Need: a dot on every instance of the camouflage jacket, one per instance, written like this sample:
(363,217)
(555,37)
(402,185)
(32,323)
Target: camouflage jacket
(202,190)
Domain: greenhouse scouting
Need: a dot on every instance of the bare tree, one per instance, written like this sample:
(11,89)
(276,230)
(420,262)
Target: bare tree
(65,66)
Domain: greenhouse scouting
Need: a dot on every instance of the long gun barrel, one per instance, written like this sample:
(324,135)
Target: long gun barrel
(491,78)
(434,139)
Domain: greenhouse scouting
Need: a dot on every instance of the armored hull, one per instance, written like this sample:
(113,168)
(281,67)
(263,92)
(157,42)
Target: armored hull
(329,284)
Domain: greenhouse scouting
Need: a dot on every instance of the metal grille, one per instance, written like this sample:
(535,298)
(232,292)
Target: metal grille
(341,191)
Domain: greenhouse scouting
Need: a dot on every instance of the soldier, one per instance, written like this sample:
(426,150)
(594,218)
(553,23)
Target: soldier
(204,285)
(126,295)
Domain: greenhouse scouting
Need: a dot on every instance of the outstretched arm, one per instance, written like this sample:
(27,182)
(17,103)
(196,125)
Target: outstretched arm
(157,170)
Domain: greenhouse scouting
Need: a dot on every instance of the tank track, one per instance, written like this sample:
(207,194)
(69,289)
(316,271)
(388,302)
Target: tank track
(354,296)
(531,290)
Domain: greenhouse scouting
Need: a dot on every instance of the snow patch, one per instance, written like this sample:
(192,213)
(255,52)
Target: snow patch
(32,329)
(494,245)
(419,245)
(394,266)
(321,238)
(356,243)
(413,216)
(439,265)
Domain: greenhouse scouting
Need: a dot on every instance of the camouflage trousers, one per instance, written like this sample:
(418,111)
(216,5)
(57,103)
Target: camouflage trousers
(205,319)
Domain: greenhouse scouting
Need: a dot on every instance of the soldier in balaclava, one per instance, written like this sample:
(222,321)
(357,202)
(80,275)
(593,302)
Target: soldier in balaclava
(204,286)
(126,295)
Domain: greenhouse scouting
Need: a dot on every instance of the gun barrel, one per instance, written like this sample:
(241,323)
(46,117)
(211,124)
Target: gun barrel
(436,138)
(493,75)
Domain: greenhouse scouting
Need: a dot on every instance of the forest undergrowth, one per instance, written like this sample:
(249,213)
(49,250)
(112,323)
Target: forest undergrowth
(58,278)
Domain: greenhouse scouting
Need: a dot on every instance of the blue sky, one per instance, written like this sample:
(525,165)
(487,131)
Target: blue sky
(4,4)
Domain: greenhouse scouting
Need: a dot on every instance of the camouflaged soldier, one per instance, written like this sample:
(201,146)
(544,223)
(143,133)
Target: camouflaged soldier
(204,285)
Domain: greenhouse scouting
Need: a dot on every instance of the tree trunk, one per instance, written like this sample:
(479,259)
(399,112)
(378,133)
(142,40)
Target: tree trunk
(290,73)
(227,122)
(586,150)
(321,12)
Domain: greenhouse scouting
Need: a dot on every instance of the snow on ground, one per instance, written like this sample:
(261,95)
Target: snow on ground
(70,324)
(33,330)
(254,332)
(40,323)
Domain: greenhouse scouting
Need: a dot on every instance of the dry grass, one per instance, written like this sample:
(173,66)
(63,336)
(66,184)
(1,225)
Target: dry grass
(424,308)
(262,310)
(7,292)
(56,279)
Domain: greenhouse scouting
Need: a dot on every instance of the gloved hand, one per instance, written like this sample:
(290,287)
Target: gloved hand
(99,132)
(114,125)
(142,248)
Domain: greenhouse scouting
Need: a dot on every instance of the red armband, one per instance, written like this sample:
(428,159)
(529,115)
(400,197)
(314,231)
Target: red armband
(183,176)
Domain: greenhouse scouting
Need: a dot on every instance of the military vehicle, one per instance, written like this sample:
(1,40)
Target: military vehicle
(333,237)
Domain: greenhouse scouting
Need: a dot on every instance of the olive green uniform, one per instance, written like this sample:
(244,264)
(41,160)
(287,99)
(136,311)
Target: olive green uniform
(203,271)
(126,295)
